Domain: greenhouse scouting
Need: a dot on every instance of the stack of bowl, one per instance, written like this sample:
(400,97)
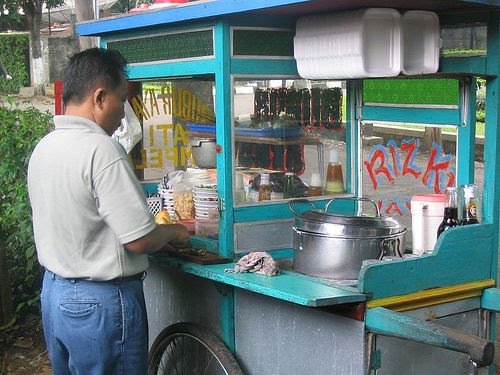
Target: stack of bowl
(206,200)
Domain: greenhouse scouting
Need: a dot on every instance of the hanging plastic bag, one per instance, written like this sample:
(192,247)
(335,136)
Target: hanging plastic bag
(130,132)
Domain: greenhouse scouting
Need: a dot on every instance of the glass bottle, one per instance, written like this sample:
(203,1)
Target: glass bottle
(289,186)
(470,204)
(315,188)
(264,187)
(334,175)
(450,218)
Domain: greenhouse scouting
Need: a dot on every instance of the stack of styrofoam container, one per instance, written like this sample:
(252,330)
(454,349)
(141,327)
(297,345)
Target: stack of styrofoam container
(365,43)
(421,42)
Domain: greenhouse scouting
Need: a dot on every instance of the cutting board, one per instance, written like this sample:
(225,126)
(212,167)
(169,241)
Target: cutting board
(206,258)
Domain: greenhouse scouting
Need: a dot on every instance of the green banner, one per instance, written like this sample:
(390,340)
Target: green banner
(422,91)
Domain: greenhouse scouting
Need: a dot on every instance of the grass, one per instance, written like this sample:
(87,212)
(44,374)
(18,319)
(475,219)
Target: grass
(449,129)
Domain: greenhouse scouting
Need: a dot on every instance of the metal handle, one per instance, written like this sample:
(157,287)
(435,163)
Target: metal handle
(389,323)
(390,247)
(299,200)
(377,211)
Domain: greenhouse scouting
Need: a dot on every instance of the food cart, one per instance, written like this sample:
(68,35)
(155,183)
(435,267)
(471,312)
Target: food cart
(208,70)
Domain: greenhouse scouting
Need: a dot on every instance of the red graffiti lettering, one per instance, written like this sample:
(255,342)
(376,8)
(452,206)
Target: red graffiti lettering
(393,206)
(432,166)
(380,169)
(393,152)
(451,179)
(408,204)
(408,168)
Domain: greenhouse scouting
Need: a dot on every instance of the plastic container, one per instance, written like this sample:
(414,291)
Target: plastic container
(264,187)
(427,211)
(207,228)
(421,42)
(334,175)
(190,224)
(315,188)
(155,204)
(353,44)
(183,202)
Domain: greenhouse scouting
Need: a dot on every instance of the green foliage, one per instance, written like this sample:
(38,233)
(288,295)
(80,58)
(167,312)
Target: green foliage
(480,115)
(463,51)
(16,61)
(53,3)
(20,130)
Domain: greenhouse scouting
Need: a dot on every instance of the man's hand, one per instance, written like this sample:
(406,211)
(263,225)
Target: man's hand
(163,237)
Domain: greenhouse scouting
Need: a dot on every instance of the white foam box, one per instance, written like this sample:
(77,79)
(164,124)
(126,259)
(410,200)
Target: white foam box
(421,42)
(354,44)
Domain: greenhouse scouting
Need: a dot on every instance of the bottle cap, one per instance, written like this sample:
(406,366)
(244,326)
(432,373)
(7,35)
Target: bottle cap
(289,173)
(334,156)
(315,179)
(469,191)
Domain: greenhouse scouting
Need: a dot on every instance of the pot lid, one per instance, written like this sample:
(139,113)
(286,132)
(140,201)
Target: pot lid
(331,224)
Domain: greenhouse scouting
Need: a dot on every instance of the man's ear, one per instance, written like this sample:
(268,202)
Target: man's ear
(99,95)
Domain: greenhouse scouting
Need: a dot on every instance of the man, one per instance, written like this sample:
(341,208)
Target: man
(92,227)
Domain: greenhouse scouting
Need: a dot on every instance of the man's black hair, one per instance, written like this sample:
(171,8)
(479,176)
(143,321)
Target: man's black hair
(90,68)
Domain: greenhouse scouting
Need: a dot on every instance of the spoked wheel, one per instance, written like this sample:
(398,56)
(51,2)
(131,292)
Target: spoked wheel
(188,348)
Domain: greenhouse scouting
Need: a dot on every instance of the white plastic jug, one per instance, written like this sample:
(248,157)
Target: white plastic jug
(427,211)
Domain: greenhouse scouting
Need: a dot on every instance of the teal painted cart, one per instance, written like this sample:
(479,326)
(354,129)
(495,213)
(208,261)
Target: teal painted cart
(431,314)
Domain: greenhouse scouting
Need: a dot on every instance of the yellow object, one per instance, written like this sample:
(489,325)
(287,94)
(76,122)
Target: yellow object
(434,296)
(163,217)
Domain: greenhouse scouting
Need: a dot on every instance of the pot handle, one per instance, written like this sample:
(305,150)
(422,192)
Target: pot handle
(390,247)
(299,200)
(377,211)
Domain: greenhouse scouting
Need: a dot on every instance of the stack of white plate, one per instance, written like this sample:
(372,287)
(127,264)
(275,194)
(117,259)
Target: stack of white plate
(206,199)
(167,196)
(196,177)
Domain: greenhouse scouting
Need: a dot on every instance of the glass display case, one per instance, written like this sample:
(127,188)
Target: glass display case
(285,126)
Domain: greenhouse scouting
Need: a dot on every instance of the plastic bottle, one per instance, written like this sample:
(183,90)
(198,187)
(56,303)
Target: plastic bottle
(450,218)
(470,204)
(334,175)
(264,187)
(289,186)
(315,188)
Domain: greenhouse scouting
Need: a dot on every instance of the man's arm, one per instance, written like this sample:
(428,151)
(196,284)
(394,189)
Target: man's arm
(164,236)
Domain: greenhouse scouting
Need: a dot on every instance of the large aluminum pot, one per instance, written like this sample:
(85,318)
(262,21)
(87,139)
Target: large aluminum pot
(334,246)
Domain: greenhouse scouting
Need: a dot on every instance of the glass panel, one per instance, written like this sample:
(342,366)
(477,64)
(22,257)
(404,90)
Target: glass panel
(287,126)
(173,115)
(176,156)
(403,161)
(464,40)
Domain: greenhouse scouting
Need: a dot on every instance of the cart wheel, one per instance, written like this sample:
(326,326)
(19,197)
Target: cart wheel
(188,348)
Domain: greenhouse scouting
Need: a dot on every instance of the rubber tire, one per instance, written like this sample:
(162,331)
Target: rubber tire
(192,331)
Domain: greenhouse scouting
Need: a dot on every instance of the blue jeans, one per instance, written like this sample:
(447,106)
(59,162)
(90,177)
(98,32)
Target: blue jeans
(95,327)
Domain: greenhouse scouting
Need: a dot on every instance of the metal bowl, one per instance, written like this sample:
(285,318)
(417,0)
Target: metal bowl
(204,152)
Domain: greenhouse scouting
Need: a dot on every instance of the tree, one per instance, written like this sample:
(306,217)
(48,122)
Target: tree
(84,10)
(31,11)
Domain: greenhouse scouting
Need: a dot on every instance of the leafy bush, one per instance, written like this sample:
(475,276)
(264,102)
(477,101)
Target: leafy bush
(16,61)
(20,130)
(480,115)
